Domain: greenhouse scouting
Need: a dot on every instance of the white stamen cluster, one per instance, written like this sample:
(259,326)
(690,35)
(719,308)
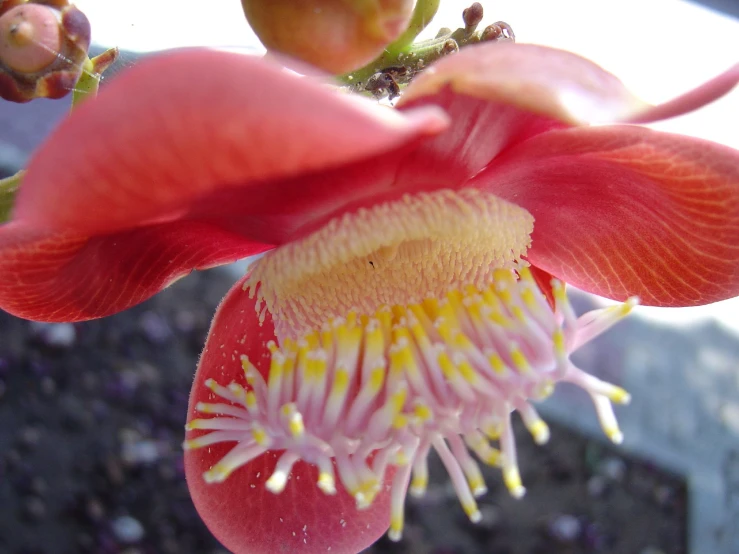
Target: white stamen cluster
(365,393)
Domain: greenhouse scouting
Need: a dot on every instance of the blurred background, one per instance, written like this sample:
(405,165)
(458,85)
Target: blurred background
(92,413)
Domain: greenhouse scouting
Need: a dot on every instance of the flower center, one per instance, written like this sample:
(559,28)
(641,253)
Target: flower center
(398,253)
(366,392)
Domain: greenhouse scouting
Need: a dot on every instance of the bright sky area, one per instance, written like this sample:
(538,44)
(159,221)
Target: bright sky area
(659,48)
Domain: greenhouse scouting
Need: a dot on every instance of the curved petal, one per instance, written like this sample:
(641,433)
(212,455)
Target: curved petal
(623,211)
(177,127)
(500,94)
(245,516)
(691,100)
(50,277)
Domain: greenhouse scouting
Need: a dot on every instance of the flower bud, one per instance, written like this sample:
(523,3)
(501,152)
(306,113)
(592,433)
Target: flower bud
(43,46)
(334,35)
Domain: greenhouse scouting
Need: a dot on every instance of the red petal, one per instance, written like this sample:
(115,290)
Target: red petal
(544,281)
(623,211)
(51,277)
(179,126)
(241,512)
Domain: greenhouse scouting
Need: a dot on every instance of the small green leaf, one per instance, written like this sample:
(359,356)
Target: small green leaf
(8,189)
(92,70)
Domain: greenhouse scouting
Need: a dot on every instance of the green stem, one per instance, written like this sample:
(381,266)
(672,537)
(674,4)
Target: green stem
(92,70)
(423,13)
(8,190)
(87,84)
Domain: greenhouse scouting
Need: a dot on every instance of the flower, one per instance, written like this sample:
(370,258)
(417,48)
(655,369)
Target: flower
(406,301)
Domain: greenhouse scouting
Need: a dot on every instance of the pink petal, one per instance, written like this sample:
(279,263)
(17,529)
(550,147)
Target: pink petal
(691,100)
(241,512)
(62,277)
(551,83)
(179,126)
(623,211)
(499,94)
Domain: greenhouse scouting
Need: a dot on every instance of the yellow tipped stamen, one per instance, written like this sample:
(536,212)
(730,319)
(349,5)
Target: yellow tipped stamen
(383,419)
(468,373)
(395,533)
(276,373)
(472,511)
(614,434)
(558,291)
(398,400)
(540,432)
(366,494)
(607,418)
(385,316)
(497,363)
(276,483)
(423,412)
(397,367)
(374,342)
(294,420)
(419,483)
(260,436)
(454,377)
(529,299)
(519,361)
(619,396)
(219,390)
(402,459)
(219,423)
(377,378)
(211,438)
(327,483)
(397,501)
(558,339)
(216,474)
(341,383)
(400,421)
(493,430)
(278,480)
(533,422)
(512,480)
(420,472)
(543,390)
(251,402)
(482,449)
(246,365)
(519,314)
(238,456)
(622,310)
(447,367)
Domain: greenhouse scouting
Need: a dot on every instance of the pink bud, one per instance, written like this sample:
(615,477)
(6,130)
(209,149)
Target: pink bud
(29,37)
(43,46)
